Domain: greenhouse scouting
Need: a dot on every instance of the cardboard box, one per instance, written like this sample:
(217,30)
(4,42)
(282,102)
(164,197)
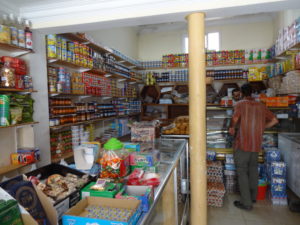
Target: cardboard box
(87,191)
(26,217)
(153,169)
(77,214)
(62,205)
(143,193)
(54,211)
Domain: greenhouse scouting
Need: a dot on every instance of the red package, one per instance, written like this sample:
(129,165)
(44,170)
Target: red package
(12,60)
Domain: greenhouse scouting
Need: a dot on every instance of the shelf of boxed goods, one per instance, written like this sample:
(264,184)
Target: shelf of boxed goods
(98,48)
(91,121)
(19,125)
(293,49)
(15,49)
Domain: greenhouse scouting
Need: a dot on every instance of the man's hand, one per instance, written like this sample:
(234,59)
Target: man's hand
(231,131)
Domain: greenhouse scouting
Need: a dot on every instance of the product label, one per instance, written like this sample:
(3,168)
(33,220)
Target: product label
(21,38)
(28,40)
(14,35)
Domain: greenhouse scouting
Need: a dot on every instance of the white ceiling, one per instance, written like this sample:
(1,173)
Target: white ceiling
(70,15)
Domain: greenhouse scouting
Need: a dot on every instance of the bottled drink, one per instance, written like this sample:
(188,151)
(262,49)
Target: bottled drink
(21,32)
(13,29)
(28,34)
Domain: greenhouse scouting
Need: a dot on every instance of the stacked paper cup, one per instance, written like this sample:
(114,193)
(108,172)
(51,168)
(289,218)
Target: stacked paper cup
(75,136)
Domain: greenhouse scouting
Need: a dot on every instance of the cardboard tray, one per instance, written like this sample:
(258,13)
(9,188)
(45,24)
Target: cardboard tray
(76,215)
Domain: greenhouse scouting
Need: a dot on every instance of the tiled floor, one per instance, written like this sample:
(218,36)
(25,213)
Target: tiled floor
(263,213)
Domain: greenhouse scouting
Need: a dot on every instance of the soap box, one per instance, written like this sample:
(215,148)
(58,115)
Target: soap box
(106,193)
(76,215)
(146,158)
(143,193)
(132,147)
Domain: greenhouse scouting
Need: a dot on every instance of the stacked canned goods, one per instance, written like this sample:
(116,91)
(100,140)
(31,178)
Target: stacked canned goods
(175,60)
(69,51)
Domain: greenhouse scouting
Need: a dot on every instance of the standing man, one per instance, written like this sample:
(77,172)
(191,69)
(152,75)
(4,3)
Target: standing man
(250,118)
(236,96)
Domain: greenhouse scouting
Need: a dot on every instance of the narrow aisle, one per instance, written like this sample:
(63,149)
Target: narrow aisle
(263,213)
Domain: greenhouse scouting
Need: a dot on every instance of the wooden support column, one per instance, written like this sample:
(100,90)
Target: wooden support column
(197,117)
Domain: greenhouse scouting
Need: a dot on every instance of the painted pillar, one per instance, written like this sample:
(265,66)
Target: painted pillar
(197,118)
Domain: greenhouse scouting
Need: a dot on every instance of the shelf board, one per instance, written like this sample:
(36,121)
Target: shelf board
(90,121)
(97,71)
(55,61)
(154,104)
(219,107)
(14,48)
(16,90)
(19,125)
(210,67)
(10,168)
(64,156)
(231,80)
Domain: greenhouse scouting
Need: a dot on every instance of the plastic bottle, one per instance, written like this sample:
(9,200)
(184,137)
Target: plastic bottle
(13,29)
(21,32)
(28,34)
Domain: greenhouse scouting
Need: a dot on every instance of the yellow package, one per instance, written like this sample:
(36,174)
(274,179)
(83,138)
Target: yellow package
(254,74)
(5,34)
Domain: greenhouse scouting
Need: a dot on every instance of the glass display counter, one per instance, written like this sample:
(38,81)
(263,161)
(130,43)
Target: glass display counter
(171,200)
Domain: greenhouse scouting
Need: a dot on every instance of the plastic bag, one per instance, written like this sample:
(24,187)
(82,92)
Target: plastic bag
(16,115)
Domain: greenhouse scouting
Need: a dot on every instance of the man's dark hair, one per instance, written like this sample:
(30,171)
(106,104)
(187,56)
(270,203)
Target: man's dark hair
(246,90)
(235,90)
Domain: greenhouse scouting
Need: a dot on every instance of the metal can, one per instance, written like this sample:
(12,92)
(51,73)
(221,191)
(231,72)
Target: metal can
(51,51)
(76,47)
(64,55)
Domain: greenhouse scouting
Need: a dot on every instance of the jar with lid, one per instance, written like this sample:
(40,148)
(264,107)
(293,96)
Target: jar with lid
(7,75)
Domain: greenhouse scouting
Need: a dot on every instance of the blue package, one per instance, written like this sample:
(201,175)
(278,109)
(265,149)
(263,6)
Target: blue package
(229,166)
(210,155)
(272,155)
(278,169)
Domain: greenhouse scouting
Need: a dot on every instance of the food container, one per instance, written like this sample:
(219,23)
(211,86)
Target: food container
(114,160)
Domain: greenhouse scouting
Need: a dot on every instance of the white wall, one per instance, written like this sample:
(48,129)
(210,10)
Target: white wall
(235,36)
(123,39)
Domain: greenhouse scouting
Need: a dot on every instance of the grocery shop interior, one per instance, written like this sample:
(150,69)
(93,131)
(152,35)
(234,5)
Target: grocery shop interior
(150,112)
